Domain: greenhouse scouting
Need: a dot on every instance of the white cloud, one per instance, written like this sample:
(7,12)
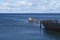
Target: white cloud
(30,6)
(22,2)
(54,4)
(17,4)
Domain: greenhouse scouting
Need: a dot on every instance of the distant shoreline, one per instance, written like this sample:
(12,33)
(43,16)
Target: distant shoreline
(34,13)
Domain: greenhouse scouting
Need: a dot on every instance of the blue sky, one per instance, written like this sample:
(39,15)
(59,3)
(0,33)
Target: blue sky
(29,6)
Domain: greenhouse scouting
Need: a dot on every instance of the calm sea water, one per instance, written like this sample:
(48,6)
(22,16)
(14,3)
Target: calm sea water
(17,27)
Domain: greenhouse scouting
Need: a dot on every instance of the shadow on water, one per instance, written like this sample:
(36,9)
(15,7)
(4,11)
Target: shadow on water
(49,34)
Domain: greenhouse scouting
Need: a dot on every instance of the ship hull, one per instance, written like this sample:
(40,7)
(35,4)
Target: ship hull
(52,26)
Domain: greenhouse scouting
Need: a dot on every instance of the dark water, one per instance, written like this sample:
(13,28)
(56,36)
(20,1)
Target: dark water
(17,27)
